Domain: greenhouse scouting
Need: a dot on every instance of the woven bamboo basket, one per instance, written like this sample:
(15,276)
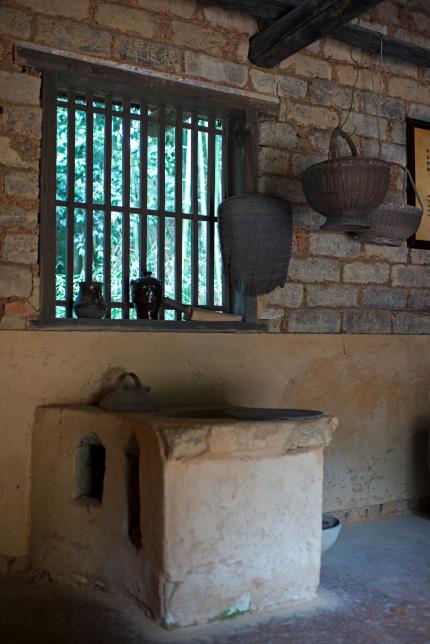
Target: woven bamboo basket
(346,188)
(390,224)
(256,237)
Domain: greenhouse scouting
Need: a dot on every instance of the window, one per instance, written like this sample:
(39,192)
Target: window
(137,188)
(131,180)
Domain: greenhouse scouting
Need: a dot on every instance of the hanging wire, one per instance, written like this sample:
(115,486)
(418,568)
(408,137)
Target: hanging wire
(381,36)
(354,87)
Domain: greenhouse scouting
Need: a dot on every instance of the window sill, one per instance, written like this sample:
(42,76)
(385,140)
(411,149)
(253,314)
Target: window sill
(154,326)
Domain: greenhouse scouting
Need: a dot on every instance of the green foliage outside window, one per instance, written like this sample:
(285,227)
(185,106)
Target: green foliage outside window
(117,197)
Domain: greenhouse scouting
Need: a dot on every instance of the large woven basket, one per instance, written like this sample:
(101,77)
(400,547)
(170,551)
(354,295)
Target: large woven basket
(256,237)
(347,188)
(390,224)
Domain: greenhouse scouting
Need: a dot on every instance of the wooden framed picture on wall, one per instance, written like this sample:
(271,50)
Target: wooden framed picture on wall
(418,162)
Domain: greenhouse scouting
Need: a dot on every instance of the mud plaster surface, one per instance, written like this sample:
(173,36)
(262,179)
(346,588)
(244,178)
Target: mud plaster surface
(375,587)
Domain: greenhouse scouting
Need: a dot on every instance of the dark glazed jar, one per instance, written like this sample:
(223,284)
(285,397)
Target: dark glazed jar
(90,302)
(147,296)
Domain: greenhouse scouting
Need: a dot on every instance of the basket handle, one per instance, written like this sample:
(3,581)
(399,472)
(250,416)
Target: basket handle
(407,175)
(334,152)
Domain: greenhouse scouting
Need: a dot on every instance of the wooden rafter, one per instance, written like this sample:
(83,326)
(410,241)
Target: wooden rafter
(303,25)
(366,39)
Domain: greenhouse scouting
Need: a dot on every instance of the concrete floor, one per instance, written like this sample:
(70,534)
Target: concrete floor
(375,588)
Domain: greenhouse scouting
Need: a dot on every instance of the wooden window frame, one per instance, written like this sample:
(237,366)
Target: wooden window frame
(242,171)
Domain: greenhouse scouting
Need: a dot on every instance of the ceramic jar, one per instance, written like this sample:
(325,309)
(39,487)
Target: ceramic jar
(90,302)
(147,296)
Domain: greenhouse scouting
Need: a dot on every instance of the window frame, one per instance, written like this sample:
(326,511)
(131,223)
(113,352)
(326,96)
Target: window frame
(411,125)
(242,171)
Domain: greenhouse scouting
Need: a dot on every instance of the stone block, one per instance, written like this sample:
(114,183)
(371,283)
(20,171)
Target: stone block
(10,157)
(229,20)
(263,82)
(347,75)
(420,256)
(331,295)
(383,297)
(74,36)
(19,88)
(308,219)
(16,216)
(24,185)
(22,120)
(242,49)
(365,273)
(336,245)
(12,323)
(14,23)
(418,276)
(34,300)
(302,161)
(273,161)
(420,112)
(15,282)
(324,92)
(77,9)
(394,153)
(146,52)
(277,134)
(307,66)
(184,9)
(290,295)
(391,108)
(192,36)
(366,125)
(419,299)
(412,323)
(215,69)
(314,321)
(128,19)
(390,253)
(272,314)
(367,322)
(309,115)
(314,269)
(398,132)
(341,52)
(288,187)
(19,248)
(404,87)
(320,140)
(288,86)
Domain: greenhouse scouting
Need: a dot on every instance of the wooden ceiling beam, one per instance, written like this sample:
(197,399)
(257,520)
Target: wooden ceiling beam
(306,23)
(371,41)
(353,35)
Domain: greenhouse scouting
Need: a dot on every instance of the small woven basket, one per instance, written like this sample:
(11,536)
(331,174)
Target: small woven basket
(391,225)
(347,188)
(256,238)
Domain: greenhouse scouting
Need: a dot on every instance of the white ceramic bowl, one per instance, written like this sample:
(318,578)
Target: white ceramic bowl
(331,528)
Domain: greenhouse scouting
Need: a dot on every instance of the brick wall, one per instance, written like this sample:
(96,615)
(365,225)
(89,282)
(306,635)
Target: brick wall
(335,284)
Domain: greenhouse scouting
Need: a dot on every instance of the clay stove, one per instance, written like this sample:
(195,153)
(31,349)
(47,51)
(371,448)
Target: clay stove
(198,518)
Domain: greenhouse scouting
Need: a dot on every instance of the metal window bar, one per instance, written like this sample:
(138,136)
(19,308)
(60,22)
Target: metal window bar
(70,203)
(161,116)
(89,250)
(161,198)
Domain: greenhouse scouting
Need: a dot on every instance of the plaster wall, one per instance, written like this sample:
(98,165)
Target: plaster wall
(378,387)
